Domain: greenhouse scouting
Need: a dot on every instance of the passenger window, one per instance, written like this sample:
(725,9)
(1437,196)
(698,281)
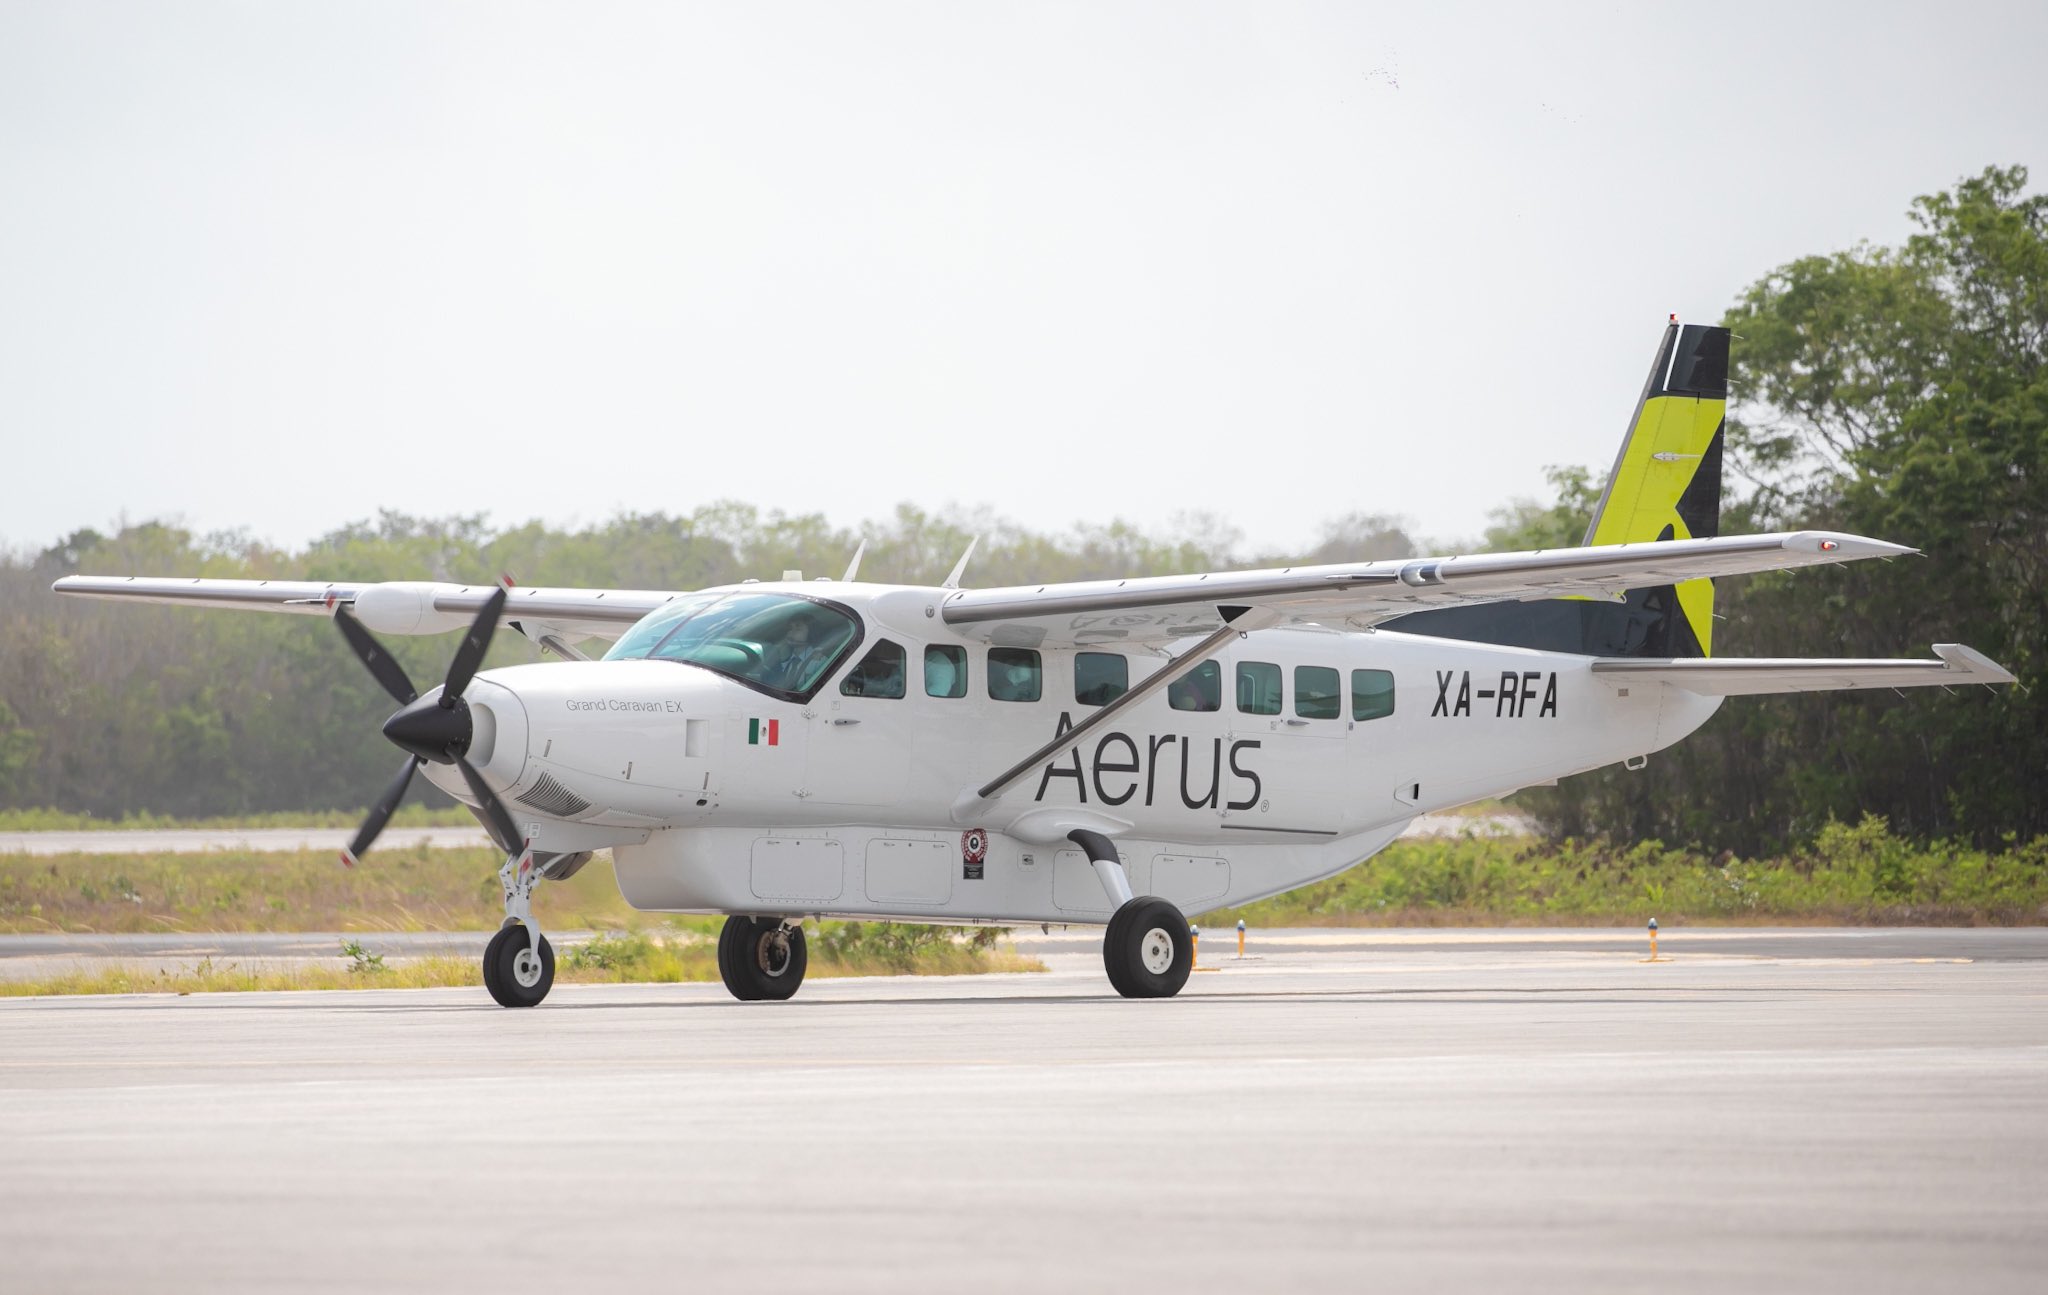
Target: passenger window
(1199,689)
(1372,694)
(1317,692)
(1258,688)
(1015,674)
(879,674)
(1100,677)
(945,671)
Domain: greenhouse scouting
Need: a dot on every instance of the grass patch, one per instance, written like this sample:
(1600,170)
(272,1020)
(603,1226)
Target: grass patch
(59,820)
(394,889)
(1852,875)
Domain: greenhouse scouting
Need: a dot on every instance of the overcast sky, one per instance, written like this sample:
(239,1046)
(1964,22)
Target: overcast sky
(276,266)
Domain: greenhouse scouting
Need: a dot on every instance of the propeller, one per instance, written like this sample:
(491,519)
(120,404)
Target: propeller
(434,728)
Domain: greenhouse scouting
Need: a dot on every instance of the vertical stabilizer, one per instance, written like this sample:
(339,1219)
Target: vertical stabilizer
(1666,482)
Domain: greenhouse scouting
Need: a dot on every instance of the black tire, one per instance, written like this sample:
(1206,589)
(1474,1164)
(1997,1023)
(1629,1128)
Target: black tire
(757,962)
(730,937)
(1112,962)
(1148,951)
(504,958)
(491,970)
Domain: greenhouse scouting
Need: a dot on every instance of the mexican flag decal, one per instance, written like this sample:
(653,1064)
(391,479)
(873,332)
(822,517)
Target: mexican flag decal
(764,732)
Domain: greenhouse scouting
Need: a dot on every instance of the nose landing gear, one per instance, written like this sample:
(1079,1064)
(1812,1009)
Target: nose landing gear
(519,963)
(761,958)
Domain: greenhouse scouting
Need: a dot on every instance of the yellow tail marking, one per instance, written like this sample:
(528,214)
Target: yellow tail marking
(1643,498)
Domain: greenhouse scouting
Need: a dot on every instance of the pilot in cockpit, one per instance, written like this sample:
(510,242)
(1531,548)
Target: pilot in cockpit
(785,662)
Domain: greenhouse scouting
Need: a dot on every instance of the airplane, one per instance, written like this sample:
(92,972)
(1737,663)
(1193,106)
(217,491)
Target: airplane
(1114,752)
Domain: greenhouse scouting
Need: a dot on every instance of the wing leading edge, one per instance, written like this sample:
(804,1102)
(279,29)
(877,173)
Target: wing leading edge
(388,607)
(1163,609)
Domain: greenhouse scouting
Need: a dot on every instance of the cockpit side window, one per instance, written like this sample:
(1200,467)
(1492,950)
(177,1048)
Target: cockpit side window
(781,644)
(879,674)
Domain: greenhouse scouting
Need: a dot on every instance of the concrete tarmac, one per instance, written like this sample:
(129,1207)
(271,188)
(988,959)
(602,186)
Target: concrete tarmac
(1463,1112)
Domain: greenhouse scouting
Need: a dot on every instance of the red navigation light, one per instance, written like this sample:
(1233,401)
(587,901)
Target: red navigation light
(1828,546)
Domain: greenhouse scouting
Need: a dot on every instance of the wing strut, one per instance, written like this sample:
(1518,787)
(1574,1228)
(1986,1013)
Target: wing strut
(1236,621)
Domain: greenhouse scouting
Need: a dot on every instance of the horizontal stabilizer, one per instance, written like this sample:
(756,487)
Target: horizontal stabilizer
(1741,677)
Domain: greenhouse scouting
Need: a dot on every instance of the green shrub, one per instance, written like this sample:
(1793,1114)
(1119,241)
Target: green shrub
(1860,873)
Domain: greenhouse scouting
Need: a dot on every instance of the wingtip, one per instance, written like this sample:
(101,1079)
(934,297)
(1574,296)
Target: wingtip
(1969,661)
(1837,546)
(348,859)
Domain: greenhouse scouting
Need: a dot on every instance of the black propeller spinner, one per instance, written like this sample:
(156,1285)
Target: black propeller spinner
(436,728)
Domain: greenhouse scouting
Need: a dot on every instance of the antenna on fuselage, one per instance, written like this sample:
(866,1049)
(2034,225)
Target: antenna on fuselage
(853,567)
(960,567)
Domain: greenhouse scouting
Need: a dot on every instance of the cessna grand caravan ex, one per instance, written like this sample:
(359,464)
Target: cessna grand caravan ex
(1118,751)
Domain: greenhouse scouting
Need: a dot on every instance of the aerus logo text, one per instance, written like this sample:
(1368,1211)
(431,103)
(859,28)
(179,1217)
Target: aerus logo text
(1204,772)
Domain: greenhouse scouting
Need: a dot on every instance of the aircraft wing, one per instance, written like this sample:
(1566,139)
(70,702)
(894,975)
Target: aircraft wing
(387,607)
(1163,609)
(1737,677)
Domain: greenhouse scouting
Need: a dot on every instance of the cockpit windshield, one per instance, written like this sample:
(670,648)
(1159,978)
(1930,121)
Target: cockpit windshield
(776,642)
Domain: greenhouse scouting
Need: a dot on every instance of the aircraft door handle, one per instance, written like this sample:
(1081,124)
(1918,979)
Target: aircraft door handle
(1297,723)
(841,723)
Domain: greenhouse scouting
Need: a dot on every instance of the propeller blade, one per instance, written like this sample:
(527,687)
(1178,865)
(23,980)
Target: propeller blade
(380,814)
(372,654)
(496,819)
(470,654)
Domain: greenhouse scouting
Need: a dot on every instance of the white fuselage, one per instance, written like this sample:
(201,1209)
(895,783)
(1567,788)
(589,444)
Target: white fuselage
(716,797)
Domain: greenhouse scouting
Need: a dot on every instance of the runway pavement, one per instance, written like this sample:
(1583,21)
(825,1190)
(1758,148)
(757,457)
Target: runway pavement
(1441,1111)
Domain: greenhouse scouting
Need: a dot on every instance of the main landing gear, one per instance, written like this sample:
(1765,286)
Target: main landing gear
(519,963)
(1147,950)
(761,958)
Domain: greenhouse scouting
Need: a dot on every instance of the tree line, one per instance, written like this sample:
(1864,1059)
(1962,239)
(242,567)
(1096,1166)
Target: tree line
(1898,392)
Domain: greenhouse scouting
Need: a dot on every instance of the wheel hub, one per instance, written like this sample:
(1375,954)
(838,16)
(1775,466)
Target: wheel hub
(526,968)
(1155,951)
(773,953)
